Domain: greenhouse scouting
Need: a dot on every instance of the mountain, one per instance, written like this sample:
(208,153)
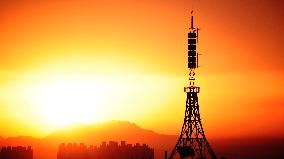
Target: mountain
(114,131)
(232,148)
(46,148)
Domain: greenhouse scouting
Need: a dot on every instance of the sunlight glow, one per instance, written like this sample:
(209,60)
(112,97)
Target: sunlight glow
(67,101)
(75,99)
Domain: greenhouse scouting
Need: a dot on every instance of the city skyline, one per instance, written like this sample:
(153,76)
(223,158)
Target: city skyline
(112,149)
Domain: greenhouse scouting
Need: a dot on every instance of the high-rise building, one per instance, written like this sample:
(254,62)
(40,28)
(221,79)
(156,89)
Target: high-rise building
(112,150)
(18,152)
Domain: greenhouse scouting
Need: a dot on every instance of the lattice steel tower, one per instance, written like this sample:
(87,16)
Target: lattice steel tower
(192,141)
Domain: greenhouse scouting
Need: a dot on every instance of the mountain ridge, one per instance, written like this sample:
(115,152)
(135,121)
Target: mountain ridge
(93,134)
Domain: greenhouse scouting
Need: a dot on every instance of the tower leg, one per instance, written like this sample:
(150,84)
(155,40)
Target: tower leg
(192,141)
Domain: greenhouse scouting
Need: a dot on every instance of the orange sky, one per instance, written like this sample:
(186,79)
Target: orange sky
(93,61)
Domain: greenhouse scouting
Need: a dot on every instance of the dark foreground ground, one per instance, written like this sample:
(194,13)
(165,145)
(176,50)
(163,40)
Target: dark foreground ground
(261,148)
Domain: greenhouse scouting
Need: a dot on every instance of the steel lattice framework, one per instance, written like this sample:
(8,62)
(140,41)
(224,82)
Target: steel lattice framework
(192,141)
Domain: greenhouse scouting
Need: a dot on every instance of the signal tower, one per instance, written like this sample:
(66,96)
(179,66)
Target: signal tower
(192,141)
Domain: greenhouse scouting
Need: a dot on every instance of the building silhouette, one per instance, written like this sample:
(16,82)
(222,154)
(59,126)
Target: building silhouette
(18,152)
(111,150)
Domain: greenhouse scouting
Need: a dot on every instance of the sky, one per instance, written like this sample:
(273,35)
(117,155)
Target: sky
(67,61)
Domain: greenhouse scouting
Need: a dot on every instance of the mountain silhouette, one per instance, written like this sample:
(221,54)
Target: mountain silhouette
(114,131)
(233,148)
(46,148)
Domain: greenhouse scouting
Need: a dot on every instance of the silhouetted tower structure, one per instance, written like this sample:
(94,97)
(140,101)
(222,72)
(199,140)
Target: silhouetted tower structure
(192,141)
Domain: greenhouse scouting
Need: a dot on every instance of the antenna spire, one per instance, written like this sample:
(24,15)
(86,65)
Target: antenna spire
(191,19)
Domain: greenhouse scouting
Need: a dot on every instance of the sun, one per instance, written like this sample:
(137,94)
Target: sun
(75,100)
(61,100)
